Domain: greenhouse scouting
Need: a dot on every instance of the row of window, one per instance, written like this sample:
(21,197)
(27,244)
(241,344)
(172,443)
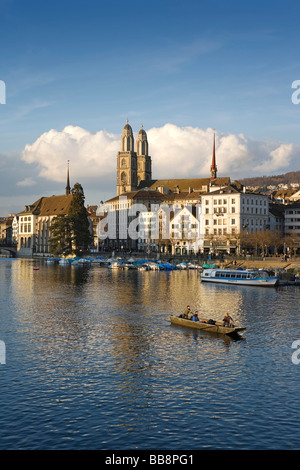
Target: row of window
(233,275)
(25,228)
(261,211)
(221,231)
(219,221)
(223,210)
(186,225)
(184,234)
(233,201)
(220,201)
(252,222)
(254,201)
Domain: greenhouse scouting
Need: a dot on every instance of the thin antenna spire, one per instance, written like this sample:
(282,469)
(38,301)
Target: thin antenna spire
(68,188)
(213,168)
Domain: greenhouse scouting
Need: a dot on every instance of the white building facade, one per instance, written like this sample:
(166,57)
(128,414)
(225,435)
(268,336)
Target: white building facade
(228,212)
(292,219)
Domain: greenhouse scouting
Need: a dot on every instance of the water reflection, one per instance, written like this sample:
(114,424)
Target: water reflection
(198,335)
(95,362)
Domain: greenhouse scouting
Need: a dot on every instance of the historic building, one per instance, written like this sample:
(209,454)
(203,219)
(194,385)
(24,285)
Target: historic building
(213,211)
(6,231)
(137,188)
(229,212)
(33,223)
(185,231)
(292,218)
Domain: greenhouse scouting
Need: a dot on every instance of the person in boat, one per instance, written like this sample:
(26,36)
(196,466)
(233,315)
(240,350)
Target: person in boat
(187,313)
(195,316)
(227,320)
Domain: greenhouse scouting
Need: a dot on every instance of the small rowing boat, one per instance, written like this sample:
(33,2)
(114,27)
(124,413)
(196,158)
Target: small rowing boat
(207,325)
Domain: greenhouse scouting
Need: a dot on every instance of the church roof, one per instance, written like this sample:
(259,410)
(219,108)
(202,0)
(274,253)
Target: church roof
(227,190)
(151,195)
(197,184)
(143,194)
(142,135)
(46,206)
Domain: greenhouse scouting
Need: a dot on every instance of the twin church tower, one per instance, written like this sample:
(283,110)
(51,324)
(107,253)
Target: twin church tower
(133,167)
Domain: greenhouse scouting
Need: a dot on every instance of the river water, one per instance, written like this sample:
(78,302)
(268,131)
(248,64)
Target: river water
(92,362)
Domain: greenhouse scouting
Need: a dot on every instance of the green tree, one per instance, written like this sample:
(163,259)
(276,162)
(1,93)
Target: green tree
(81,235)
(61,236)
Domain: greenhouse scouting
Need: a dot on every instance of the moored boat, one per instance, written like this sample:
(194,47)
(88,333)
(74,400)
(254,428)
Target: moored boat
(207,325)
(239,276)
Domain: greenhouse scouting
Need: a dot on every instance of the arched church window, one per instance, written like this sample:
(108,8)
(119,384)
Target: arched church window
(123,178)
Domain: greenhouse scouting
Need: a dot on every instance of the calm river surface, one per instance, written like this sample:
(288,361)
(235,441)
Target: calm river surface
(92,362)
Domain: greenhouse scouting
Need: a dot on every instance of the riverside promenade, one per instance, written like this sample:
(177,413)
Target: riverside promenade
(267,262)
(264,263)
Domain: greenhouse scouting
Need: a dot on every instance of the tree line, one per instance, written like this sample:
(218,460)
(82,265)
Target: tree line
(266,242)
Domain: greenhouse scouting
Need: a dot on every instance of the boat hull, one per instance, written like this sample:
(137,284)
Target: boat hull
(204,326)
(238,277)
(247,282)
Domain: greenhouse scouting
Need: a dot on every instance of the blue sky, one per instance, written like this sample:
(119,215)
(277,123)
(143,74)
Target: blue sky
(227,65)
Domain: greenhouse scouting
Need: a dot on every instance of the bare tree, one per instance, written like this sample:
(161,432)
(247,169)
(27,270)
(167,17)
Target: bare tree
(263,238)
(292,241)
(276,240)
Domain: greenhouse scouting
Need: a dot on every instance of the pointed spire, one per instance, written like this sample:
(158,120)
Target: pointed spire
(68,188)
(213,168)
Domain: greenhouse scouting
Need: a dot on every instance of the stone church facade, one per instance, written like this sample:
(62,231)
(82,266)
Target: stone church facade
(133,167)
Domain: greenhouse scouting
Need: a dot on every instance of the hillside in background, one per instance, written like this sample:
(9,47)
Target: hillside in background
(264,181)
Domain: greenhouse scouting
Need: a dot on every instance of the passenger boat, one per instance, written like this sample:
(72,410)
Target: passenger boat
(205,325)
(239,276)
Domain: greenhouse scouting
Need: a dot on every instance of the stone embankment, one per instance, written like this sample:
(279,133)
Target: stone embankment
(265,263)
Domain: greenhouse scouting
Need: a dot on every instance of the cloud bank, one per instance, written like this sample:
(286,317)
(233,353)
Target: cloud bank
(177,152)
(91,155)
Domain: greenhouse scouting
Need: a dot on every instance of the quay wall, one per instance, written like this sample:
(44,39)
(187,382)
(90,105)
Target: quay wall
(228,262)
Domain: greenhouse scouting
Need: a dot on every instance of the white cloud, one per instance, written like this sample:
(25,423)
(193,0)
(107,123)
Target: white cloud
(187,152)
(26,182)
(90,155)
(177,152)
(278,158)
